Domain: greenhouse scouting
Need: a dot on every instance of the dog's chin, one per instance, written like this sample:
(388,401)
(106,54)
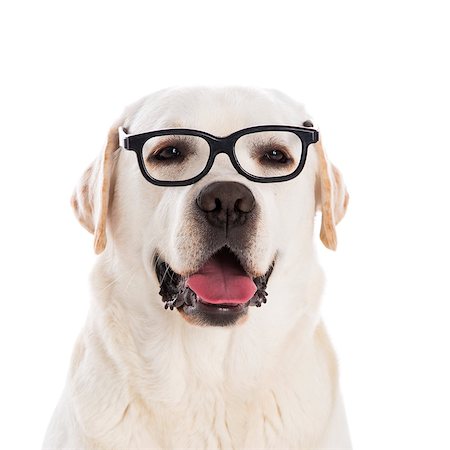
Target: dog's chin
(184,293)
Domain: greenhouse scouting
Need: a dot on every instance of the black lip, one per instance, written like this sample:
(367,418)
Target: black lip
(213,315)
(175,294)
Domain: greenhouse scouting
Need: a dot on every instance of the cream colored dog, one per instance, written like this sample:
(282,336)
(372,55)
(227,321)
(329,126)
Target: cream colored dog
(207,374)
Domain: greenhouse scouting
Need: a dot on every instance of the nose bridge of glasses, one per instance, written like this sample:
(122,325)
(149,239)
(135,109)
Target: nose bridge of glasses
(218,147)
(221,145)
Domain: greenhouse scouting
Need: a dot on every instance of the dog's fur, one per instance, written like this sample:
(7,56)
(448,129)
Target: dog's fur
(142,377)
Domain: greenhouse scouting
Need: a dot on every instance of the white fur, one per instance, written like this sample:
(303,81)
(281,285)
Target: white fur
(142,377)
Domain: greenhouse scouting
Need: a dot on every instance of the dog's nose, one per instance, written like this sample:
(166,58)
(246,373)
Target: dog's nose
(226,203)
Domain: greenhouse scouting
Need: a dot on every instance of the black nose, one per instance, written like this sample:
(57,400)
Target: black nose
(226,203)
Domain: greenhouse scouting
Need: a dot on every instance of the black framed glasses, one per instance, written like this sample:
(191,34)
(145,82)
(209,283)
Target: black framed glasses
(180,156)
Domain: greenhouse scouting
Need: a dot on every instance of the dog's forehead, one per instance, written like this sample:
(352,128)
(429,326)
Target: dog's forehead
(219,111)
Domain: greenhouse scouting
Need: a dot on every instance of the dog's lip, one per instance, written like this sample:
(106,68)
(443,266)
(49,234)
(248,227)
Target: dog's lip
(201,313)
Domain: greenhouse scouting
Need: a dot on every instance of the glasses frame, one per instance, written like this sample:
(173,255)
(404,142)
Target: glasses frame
(217,145)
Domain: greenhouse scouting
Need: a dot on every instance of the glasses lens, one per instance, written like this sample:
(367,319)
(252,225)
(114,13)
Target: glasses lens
(175,157)
(269,153)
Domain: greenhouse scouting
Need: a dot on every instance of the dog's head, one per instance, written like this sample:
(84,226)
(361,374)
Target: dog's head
(213,244)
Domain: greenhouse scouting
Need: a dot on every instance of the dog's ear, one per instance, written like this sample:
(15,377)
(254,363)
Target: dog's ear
(92,194)
(331,197)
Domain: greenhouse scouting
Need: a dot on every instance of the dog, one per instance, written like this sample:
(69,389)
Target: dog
(204,329)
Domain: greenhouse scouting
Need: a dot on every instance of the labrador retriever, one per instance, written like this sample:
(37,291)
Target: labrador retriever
(204,330)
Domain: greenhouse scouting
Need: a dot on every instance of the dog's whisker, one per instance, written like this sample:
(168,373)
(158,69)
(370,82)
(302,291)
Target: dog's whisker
(165,273)
(171,276)
(155,260)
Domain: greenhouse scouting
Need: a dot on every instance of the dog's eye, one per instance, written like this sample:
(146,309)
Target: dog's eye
(276,156)
(166,153)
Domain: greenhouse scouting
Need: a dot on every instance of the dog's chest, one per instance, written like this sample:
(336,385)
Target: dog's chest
(237,402)
(214,418)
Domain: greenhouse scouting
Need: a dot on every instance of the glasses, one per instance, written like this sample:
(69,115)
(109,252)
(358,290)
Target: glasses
(179,156)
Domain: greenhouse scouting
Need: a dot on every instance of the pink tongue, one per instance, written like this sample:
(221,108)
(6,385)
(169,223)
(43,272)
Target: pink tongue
(222,280)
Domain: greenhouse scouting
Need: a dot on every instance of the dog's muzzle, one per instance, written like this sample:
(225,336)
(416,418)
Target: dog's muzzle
(220,291)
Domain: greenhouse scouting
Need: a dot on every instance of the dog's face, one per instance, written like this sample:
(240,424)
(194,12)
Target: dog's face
(211,245)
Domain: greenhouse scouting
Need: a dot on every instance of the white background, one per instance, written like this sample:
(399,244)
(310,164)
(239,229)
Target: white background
(375,76)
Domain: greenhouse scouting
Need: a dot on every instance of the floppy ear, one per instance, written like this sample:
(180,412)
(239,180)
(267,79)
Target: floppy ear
(91,196)
(331,197)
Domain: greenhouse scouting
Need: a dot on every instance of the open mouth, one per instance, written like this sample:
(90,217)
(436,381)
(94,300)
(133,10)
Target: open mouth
(218,294)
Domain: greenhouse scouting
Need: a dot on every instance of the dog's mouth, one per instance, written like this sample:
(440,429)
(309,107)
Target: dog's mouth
(217,294)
